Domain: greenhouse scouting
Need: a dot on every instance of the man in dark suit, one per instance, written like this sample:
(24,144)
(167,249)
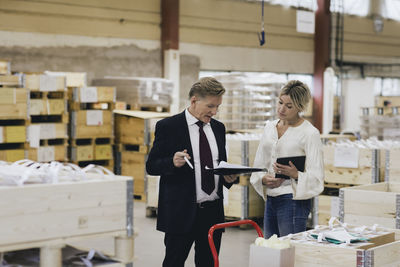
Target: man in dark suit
(190,198)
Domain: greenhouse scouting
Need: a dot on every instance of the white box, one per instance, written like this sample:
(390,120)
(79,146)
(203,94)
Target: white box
(271,257)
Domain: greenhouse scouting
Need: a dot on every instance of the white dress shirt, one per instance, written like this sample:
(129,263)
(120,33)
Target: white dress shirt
(296,141)
(194,140)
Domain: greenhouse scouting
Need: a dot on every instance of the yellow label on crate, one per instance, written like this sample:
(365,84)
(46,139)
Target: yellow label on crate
(103,152)
(7,96)
(14,155)
(84,153)
(15,134)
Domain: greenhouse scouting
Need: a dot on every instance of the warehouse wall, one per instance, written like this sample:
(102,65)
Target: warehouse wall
(222,33)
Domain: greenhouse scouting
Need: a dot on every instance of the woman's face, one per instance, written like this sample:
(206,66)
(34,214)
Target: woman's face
(286,109)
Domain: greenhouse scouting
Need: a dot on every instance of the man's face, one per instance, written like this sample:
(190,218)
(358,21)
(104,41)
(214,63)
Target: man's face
(204,108)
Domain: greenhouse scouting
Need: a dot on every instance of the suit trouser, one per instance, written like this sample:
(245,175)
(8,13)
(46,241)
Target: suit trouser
(178,245)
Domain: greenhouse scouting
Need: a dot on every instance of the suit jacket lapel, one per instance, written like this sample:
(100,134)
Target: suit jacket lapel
(185,135)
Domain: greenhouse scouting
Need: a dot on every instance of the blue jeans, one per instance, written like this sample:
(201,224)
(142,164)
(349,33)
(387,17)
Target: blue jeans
(284,216)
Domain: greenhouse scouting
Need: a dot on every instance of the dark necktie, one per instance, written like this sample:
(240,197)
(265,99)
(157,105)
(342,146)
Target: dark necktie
(207,177)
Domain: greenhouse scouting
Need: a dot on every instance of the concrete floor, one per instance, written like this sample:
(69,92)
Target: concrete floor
(149,246)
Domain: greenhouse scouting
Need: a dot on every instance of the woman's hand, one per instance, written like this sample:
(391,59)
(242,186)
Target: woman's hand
(288,170)
(271,182)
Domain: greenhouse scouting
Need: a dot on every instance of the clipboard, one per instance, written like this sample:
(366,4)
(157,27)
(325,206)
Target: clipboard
(298,161)
(225,168)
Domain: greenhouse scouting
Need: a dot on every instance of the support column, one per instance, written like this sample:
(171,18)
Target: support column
(321,58)
(170,47)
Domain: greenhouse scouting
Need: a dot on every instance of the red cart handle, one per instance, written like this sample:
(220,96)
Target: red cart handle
(224,225)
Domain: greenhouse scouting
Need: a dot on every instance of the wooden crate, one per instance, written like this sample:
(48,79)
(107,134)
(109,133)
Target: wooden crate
(48,103)
(5,67)
(381,250)
(392,166)
(12,134)
(73,79)
(327,207)
(91,152)
(11,80)
(83,124)
(44,83)
(93,94)
(13,103)
(133,164)
(241,201)
(51,216)
(48,153)
(366,173)
(136,127)
(370,204)
(50,130)
(12,155)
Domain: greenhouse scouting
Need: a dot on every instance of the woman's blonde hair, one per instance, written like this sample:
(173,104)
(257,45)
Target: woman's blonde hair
(298,92)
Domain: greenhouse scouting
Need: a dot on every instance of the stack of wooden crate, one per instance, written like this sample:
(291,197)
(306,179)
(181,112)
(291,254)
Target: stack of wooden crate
(134,133)
(49,117)
(363,166)
(91,128)
(148,94)
(241,201)
(13,115)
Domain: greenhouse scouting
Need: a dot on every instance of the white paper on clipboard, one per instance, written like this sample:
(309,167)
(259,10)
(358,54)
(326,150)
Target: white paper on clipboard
(346,157)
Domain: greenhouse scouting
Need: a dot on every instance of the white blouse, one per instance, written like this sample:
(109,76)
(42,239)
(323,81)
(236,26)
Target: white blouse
(296,141)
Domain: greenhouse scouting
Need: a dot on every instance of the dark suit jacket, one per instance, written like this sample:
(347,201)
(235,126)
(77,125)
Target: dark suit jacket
(177,191)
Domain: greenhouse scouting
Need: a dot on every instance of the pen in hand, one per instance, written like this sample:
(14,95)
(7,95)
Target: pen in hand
(188,162)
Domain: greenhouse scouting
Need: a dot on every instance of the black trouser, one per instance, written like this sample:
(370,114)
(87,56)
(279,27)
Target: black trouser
(178,245)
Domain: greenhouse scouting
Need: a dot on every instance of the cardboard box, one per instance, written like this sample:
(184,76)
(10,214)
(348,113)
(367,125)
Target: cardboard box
(271,257)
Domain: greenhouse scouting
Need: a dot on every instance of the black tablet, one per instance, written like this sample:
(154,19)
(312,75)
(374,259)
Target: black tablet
(298,161)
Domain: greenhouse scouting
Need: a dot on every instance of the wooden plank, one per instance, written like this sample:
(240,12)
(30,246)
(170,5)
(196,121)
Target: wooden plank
(12,155)
(104,94)
(369,220)
(386,255)
(39,82)
(152,191)
(14,134)
(360,175)
(48,153)
(83,131)
(370,203)
(310,255)
(47,106)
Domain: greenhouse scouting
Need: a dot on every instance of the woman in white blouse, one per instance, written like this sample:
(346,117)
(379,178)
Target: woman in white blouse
(288,201)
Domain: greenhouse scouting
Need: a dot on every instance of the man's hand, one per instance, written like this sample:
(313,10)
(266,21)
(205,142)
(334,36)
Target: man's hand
(230,178)
(179,158)
(271,182)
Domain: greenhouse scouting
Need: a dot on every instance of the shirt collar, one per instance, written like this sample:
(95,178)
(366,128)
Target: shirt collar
(192,119)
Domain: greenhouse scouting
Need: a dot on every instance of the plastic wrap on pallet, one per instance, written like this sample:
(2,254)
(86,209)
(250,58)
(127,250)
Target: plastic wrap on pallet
(140,91)
(380,122)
